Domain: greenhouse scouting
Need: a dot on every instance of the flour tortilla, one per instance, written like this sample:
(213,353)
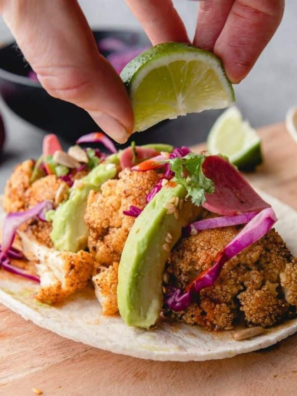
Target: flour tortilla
(80,318)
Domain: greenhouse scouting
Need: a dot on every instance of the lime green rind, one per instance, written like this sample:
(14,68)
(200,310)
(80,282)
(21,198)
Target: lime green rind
(130,71)
(163,83)
(251,159)
(235,138)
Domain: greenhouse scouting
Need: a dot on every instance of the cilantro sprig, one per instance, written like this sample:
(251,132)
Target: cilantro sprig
(188,172)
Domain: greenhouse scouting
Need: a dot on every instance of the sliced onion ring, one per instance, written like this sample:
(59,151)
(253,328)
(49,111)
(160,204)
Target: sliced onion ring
(218,222)
(98,137)
(251,233)
(14,220)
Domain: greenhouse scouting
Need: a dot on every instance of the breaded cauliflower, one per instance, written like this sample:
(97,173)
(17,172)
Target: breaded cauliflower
(106,283)
(108,226)
(43,189)
(21,195)
(248,285)
(289,282)
(263,307)
(16,186)
(61,273)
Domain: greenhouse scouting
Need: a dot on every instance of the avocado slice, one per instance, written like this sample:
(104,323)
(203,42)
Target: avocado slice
(70,232)
(145,254)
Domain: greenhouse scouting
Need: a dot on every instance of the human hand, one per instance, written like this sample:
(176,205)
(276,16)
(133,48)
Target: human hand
(56,40)
(237,31)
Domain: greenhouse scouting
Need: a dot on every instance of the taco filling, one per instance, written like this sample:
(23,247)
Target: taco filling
(162,234)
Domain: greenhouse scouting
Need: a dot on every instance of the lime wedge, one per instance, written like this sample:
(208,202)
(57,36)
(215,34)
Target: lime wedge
(175,79)
(235,138)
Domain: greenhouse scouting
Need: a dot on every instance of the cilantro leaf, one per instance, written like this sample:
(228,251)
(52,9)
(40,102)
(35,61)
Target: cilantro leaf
(188,172)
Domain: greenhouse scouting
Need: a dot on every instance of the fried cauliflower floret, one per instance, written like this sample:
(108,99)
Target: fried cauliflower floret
(274,257)
(43,189)
(39,231)
(215,310)
(21,195)
(108,226)
(61,273)
(248,283)
(16,187)
(197,253)
(106,283)
(263,307)
(289,282)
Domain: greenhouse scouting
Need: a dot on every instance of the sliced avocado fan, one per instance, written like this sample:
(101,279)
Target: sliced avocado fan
(146,251)
(70,232)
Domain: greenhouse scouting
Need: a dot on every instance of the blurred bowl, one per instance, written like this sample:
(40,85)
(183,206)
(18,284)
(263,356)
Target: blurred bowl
(30,101)
(25,97)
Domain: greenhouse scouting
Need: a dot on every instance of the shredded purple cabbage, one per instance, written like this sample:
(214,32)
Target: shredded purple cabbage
(13,253)
(67,179)
(251,233)
(176,300)
(169,174)
(154,191)
(98,137)
(133,211)
(15,219)
(180,152)
(7,266)
(218,222)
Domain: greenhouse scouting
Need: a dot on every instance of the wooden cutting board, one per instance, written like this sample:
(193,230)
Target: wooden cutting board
(32,357)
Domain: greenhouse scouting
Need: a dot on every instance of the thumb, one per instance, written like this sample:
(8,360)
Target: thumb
(58,43)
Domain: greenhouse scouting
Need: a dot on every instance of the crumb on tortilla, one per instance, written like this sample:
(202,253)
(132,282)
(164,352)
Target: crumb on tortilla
(37,391)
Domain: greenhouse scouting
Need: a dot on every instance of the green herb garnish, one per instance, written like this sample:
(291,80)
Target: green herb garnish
(93,159)
(133,147)
(188,172)
(37,173)
(58,170)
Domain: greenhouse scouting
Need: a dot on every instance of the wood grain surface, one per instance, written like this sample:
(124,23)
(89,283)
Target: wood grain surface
(31,357)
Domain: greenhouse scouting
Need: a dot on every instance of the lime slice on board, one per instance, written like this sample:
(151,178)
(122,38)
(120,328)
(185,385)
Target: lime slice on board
(235,138)
(175,79)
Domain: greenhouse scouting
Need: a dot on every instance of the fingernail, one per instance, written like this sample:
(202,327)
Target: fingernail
(112,127)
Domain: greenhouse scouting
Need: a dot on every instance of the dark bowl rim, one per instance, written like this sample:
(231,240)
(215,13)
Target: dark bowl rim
(16,78)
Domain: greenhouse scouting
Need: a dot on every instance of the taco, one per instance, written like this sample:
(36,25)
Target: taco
(154,252)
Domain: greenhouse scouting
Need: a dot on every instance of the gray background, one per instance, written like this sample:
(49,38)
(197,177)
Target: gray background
(264,96)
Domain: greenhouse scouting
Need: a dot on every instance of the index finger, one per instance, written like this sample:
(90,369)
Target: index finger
(160,20)
(57,41)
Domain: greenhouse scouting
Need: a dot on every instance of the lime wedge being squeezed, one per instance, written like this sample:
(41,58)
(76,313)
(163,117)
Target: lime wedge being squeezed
(174,79)
(235,138)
